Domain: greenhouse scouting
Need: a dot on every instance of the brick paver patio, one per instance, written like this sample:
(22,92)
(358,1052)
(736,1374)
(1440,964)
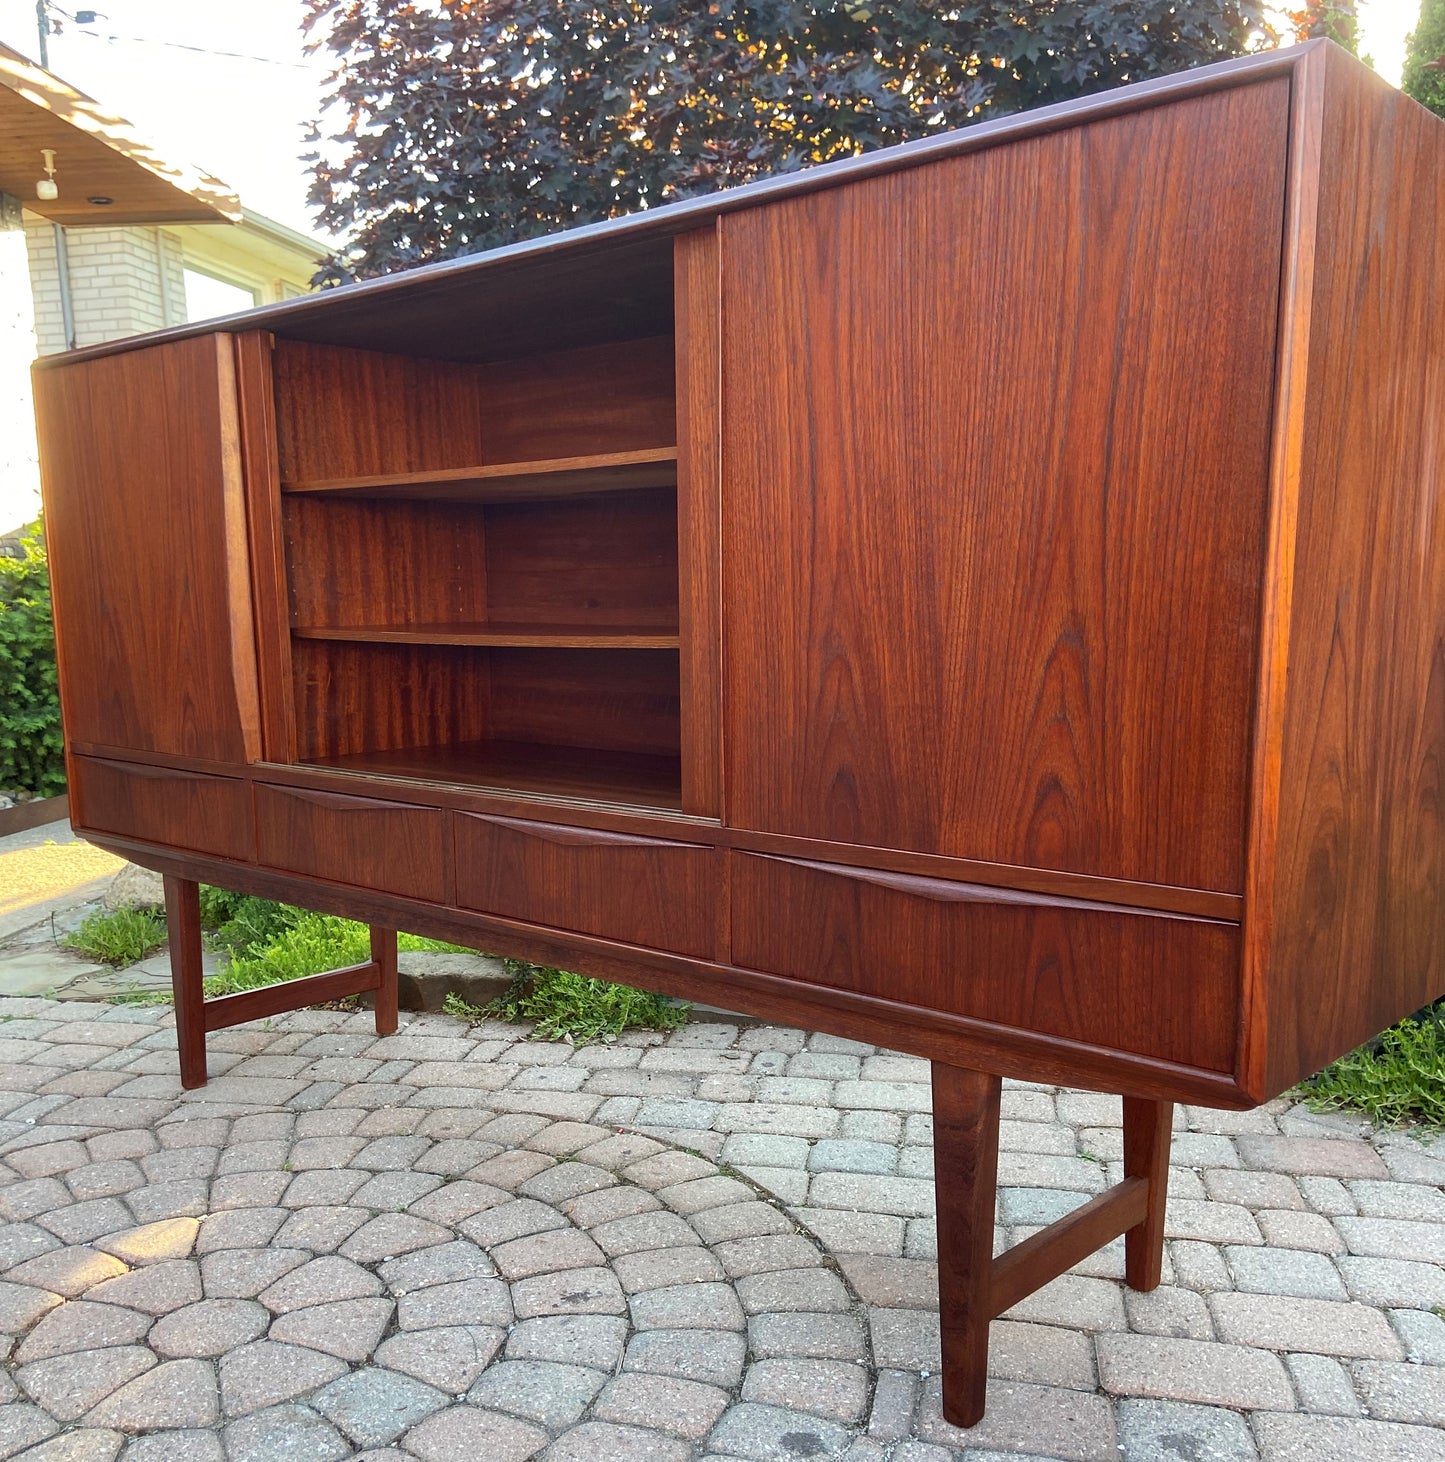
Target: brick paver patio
(452,1243)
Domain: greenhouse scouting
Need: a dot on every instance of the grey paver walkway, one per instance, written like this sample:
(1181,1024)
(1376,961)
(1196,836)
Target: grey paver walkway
(452,1243)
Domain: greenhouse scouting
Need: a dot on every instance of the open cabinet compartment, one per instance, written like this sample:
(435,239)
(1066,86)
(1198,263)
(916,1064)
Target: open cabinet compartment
(482,566)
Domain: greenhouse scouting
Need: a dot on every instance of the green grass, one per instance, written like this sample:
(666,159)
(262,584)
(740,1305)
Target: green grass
(1398,1078)
(122,937)
(297,944)
(576,1008)
(269,942)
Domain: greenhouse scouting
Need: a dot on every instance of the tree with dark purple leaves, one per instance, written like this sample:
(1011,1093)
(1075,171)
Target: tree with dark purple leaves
(470,123)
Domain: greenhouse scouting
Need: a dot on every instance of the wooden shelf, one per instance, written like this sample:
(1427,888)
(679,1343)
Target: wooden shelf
(512,481)
(623,777)
(538,636)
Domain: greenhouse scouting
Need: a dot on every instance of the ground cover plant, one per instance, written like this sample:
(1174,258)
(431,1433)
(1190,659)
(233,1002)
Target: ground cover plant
(1398,1077)
(118,937)
(268,942)
(576,1008)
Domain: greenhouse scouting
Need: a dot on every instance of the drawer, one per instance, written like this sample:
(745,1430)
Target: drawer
(1158,985)
(646,891)
(393,847)
(163,805)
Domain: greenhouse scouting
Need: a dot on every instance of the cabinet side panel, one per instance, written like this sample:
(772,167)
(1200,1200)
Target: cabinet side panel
(1359,888)
(995,468)
(144,518)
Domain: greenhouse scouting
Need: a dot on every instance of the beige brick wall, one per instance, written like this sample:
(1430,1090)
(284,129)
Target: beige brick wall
(122,281)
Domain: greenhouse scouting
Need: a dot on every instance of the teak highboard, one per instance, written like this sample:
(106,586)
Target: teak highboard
(984,598)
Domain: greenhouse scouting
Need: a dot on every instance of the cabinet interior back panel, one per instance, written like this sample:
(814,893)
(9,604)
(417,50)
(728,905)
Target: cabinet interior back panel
(994,467)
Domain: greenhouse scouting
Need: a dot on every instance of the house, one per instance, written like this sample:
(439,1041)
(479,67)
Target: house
(101,237)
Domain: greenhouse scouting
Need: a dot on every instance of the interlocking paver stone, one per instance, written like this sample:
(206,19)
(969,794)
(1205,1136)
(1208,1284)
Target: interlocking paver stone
(1173,1429)
(266,1372)
(594,1291)
(1285,1272)
(472,1169)
(93,1444)
(1395,1392)
(546,1253)
(1323,1384)
(69,1271)
(687,1307)
(67,1386)
(755,1430)
(321,1280)
(294,1432)
(1300,1438)
(713,1357)
(456,1302)
(208,1328)
(835,1389)
(375,1406)
(550,1393)
(156,1290)
(1322,1327)
(1192,1370)
(466,1431)
(351,1329)
(449,1357)
(81,1325)
(177,1393)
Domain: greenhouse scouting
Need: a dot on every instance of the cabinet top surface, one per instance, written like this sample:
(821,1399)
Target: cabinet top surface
(630,252)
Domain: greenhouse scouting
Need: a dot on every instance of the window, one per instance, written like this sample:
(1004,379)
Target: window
(207,296)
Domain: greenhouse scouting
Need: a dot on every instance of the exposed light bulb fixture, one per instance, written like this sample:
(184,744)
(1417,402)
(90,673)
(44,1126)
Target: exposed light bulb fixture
(47,190)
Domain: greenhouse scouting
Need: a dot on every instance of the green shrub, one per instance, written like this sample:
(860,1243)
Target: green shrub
(31,750)
(270,942)
(119,938)
(241,923)
(1398,1078)
(576,1008)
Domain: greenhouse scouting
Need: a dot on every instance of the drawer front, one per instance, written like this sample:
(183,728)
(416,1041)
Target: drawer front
(176,809)
(646,891)
(1155,985)
(393,847)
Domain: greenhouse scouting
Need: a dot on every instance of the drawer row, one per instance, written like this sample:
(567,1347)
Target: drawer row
(1158,985)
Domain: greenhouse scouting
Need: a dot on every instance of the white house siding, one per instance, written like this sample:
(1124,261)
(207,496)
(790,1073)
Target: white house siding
(19,496)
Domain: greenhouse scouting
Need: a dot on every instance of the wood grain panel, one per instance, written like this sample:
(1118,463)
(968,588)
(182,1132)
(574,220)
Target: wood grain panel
(256,399)
(145,517)
(609,559)
(176,809)
(1353,905)
(617,700)
(393,846)
(361,561)
(524,771)
(647,891)
(567,403)
(360,697)
(699,516)
(1155,984)
(995,456)
(344,413)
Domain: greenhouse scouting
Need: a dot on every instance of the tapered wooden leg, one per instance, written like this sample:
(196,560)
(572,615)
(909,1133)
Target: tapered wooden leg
(965,1167)
(183,926)
(383,955)
(1148,1127)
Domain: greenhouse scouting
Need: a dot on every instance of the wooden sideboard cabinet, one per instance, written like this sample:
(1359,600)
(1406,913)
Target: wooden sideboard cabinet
(984,597)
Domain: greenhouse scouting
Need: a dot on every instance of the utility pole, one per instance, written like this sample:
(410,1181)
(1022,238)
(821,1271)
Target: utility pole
(42,21)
